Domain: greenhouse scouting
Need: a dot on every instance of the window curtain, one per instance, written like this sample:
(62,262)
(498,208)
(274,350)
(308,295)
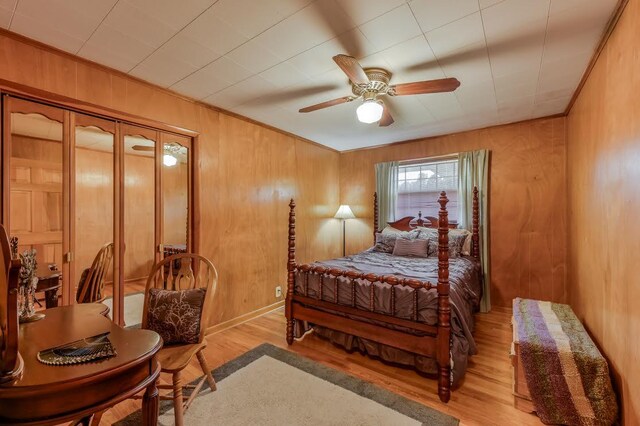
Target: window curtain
(387,189)
(473,170)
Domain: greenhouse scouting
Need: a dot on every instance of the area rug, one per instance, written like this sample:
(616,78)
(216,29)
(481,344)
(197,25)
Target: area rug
(271,386)
(133,305)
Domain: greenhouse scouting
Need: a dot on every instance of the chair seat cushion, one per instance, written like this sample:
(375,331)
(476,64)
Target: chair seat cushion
(175,315)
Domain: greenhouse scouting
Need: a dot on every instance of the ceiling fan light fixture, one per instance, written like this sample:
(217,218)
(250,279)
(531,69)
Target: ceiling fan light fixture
(370,111)
(169,160)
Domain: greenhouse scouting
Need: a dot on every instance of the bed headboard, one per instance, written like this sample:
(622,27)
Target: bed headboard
(411,222)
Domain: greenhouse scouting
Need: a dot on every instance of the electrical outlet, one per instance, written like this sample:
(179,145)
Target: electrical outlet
(278,291)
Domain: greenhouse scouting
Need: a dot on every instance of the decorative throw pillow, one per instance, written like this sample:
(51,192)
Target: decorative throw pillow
(466,247)
(176,315)
(456,241)
(386,242)
(415,248)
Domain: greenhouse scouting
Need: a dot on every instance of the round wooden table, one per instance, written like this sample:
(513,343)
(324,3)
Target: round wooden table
(47,395)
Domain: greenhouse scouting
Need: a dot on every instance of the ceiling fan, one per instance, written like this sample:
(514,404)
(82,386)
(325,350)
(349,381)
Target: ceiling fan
(372,83)
(171,152)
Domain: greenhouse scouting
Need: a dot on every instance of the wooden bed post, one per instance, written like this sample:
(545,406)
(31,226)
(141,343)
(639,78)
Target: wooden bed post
(291,275)
(475,237)
(444,310)
(375,216)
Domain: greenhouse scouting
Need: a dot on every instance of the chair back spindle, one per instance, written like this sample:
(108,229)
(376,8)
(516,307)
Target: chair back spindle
(90,289)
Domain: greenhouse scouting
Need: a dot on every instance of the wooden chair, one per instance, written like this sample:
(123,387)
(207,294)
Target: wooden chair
(195,272)
(91,285)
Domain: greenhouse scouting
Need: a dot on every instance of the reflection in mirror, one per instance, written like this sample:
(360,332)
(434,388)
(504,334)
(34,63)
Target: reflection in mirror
(139,222)
(36,216)
(175,195)
(93,245)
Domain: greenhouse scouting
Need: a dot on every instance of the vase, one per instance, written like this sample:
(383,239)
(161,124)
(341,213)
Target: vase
(26,302)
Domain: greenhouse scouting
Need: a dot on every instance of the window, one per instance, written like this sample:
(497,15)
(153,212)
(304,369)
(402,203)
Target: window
(420,184)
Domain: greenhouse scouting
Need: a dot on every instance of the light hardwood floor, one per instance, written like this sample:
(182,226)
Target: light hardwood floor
(483,399)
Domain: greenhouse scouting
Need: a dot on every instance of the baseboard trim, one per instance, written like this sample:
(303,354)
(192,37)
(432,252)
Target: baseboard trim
(243,318)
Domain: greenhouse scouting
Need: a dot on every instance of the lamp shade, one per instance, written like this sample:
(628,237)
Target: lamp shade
(370,111)
(344,212)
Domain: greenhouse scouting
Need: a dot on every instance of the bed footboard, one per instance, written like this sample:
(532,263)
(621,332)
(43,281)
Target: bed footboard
(433,341)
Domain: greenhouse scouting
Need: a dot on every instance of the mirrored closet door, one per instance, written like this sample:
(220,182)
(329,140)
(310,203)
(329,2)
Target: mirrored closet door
(100,201)
(35,191)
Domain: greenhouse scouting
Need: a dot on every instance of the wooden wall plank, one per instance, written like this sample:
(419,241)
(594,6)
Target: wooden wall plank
(603,134)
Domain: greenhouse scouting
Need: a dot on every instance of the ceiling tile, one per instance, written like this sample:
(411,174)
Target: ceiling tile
(516,84)
(409,111)
(362,11)
(254,55)
(136,23)
(576,30)
(553,95)
(309,27)
(318,59)
(211,79)
(442,106)
(432,14)
(163,68)
(252,17)
(563,73)
(469,65)
(284,75)
(488,3)
(6,12)
(391,28)
(456,35)
(5,18)
(62,24)
(604,8)
(115,49)
(247,90)
(412,60)
(213,33)
(557,106)
(515,35)
(182,48)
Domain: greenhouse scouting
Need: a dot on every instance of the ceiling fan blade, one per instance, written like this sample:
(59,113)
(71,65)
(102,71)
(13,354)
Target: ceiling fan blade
(327,104)
(386,119)
(352,69)
(429,86)
(143,148)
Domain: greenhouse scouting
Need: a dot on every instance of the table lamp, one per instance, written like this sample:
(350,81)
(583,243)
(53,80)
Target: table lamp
(344,213)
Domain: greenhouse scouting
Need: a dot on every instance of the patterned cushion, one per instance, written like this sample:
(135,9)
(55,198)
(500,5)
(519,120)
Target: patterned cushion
(456,242)
(386,242)
(175,315)
(414,248)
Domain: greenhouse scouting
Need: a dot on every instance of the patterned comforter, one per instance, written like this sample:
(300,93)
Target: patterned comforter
(465,292)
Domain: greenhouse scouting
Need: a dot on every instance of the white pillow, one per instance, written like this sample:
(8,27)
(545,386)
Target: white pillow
(391,230)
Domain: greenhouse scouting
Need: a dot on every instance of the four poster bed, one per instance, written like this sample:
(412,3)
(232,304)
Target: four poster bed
(406,310)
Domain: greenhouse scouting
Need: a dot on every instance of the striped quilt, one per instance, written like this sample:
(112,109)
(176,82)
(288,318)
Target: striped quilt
(567,377)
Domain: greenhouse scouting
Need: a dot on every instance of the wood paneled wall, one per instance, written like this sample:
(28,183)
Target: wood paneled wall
(247,173)
(527,201)
(604,205)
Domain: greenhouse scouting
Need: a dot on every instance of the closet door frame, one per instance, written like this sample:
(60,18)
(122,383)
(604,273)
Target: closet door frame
(10,91)
(14,104)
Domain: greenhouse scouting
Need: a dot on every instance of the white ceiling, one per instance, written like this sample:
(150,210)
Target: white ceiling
(265,59)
